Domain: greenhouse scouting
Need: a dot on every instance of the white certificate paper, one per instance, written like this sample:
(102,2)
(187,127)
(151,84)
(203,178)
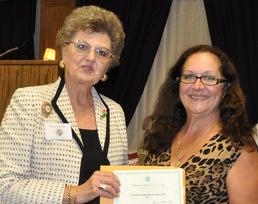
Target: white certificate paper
(152,186)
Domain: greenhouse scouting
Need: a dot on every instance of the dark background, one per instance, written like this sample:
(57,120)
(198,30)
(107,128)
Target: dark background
(233,26)
(17,26)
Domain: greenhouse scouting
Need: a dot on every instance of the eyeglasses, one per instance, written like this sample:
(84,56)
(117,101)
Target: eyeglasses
(206,80)
(103,54)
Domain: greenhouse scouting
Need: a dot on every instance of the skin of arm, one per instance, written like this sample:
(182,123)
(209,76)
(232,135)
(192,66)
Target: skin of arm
(242,180)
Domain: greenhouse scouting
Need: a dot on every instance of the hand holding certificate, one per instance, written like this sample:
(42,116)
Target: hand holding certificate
(152,185)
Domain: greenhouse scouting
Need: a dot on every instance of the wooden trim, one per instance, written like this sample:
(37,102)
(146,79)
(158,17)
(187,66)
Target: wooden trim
(20,73)
(28,62)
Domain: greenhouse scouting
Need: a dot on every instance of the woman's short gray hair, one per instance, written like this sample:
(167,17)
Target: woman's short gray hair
(93,19)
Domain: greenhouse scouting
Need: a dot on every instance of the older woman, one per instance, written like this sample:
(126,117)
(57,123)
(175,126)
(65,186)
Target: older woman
(199,124)
(54,137)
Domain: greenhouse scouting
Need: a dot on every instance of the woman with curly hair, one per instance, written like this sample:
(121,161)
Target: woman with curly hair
(55,137)
(200,124)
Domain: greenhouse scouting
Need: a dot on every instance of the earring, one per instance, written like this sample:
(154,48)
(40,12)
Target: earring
(61,64)
(104,78)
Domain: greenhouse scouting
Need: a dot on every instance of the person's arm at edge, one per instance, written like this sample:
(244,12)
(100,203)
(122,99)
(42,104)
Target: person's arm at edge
(242,180)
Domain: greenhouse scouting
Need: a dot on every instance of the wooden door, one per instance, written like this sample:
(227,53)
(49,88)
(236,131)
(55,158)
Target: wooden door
(52,15)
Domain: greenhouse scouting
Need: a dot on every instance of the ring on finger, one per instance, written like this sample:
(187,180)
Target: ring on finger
(103,186)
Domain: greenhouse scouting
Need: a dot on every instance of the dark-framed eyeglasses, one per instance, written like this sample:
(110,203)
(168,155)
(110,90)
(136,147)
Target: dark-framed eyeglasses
(103,54)
(206,80)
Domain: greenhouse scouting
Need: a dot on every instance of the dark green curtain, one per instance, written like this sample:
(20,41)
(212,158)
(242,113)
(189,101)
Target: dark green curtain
(17,25)
(143,22)
(233,26)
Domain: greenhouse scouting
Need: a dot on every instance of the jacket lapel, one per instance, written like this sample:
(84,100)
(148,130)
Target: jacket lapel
(65,109)
(100,114)
(63,102)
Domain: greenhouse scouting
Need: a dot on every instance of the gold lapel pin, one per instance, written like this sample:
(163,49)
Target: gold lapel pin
(46,109)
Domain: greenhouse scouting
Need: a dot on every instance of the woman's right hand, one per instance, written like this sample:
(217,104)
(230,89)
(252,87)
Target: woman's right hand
(103,184)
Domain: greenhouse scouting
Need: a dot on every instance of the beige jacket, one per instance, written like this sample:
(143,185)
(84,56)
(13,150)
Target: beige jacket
(34,169)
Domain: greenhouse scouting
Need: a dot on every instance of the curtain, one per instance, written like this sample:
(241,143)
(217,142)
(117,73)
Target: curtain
(143,24)
(233,26)
(186,26)
(17,19)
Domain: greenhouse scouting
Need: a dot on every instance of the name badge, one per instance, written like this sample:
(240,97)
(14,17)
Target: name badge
(58,131)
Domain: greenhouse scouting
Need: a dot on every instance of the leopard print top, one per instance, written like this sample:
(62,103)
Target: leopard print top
(205,171)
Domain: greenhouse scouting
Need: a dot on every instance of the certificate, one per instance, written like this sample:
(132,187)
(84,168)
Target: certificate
(140,185)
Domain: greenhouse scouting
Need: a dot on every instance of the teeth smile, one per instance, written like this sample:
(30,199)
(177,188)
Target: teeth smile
(198,97)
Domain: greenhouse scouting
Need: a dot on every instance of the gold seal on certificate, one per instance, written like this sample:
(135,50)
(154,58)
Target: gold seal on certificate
(152,185)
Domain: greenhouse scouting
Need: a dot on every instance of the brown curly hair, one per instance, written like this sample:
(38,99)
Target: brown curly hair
(169,114)
(93,19)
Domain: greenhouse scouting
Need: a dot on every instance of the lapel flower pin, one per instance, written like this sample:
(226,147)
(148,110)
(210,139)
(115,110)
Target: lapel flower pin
(46,109)
(103,114)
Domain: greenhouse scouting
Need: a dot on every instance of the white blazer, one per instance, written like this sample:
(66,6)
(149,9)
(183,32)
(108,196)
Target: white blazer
(34,169)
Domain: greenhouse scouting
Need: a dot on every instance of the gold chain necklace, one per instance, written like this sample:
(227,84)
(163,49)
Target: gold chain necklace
(177,163)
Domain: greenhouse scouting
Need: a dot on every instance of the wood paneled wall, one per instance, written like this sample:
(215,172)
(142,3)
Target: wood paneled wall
(52,15)
(20,73)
